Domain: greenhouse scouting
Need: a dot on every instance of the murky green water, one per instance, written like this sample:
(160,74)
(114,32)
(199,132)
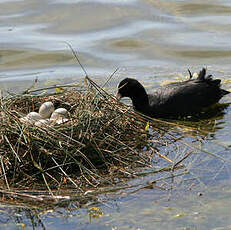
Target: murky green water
(153,41)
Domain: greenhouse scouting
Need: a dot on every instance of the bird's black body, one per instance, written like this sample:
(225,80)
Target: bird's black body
(176,99)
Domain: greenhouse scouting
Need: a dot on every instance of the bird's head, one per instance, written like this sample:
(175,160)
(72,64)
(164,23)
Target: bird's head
(129,87)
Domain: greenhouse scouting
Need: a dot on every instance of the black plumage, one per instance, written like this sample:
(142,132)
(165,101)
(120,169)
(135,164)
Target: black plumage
(175,99)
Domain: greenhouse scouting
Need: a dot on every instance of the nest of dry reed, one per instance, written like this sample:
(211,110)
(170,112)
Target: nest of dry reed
(100,139)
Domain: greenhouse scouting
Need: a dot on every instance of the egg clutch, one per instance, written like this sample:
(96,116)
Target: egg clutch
(47,116)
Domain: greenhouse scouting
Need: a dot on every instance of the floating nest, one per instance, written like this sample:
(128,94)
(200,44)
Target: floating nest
(101,140)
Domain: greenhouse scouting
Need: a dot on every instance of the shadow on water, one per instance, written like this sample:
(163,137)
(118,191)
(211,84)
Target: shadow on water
(207,121)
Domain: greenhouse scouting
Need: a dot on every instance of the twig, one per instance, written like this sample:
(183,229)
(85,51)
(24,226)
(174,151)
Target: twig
(4,173)
(65,173)
(12,148)
(76,57)
(177,163)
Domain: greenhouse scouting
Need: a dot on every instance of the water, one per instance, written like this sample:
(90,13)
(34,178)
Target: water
(153,41)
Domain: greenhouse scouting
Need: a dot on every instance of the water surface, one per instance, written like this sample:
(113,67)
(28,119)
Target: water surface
(153,41)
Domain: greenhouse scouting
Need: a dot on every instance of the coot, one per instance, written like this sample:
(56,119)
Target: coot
(175,99)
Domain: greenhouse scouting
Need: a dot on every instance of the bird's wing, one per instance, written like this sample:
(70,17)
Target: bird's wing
(186,96)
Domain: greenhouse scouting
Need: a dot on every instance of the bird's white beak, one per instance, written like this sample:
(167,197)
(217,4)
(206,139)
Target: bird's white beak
(118,96)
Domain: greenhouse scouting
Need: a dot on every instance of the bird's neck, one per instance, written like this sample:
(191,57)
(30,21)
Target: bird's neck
(141,102)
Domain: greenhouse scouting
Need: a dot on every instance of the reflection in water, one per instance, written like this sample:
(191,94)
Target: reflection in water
(143,211)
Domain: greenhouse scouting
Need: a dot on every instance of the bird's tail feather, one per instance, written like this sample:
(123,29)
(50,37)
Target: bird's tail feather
(209,78)
(224,92)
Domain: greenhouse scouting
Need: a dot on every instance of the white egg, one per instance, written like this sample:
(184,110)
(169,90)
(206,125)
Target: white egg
(46,109)
(25,120)
(58,113)
(42,123)
(61,121)
(33,117)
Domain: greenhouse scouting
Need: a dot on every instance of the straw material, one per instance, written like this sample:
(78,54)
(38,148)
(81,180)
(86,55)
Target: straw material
(101,137)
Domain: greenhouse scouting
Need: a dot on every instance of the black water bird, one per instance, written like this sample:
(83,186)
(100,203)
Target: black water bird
(176,99)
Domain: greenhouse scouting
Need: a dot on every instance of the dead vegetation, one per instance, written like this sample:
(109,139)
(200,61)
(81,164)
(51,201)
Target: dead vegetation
(101,138)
